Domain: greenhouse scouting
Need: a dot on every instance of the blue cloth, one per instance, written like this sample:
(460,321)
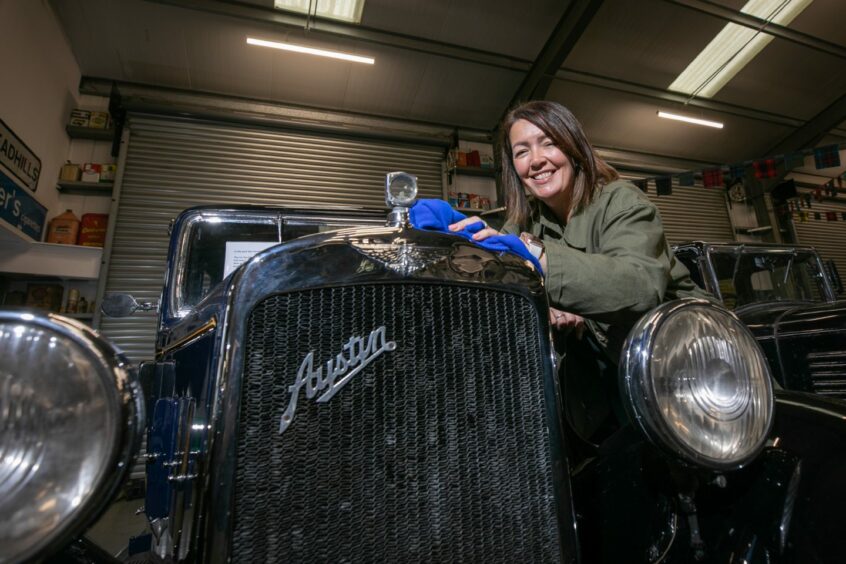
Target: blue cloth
(437,215)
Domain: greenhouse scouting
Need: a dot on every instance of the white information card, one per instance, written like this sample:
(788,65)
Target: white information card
(239,252)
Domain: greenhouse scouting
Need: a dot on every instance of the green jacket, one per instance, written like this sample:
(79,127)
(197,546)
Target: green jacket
(610,263)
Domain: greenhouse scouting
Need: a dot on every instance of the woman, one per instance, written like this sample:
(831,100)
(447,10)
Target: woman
(604,254)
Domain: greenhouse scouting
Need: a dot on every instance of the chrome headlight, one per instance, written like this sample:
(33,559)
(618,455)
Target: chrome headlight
(698,384)
(71,415)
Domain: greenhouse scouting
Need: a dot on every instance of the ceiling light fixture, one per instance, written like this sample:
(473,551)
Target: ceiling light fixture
(310,50)
(686,119)
(734,47)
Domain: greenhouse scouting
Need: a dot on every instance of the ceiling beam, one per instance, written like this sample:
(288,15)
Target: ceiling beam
(574,21)
(809,134)
(746,20)
(327,28)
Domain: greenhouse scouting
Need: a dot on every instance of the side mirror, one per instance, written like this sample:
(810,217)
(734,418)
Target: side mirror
(124,305)
(834,276)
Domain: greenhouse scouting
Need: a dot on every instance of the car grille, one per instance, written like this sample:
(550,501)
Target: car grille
(828,373)
(437,451)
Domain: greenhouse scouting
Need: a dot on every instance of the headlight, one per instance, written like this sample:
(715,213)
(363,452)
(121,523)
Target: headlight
(70,421)
(697,384)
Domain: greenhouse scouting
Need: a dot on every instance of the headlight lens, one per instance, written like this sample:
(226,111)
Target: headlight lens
(69,421)
(698,384)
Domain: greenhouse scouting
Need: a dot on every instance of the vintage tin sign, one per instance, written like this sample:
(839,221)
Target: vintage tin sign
(18,159)
(20,210)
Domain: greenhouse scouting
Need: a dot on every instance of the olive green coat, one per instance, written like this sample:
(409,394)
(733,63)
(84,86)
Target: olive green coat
(611,262)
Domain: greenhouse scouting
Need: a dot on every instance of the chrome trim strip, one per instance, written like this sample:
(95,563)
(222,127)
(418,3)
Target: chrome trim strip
(205,328)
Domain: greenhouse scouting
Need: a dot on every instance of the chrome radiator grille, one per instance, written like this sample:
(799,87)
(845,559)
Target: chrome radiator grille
(828,373)
(436,451)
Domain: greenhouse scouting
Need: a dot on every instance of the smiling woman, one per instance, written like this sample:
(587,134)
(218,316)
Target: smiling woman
(604,252)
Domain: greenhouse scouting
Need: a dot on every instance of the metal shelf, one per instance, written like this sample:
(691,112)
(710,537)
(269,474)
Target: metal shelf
(97,134)
(85,188)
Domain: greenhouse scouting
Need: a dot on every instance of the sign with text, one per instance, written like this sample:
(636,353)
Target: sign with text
(20,210)
(18,159)
(239,252)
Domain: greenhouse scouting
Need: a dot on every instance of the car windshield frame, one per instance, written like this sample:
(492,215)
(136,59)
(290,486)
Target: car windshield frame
(767,275)
(275,227)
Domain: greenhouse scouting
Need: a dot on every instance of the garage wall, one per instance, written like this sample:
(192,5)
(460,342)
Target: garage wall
(172,164)
(829,237)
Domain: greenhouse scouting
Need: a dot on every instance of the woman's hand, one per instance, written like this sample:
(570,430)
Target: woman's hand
(480,235)
(566,321)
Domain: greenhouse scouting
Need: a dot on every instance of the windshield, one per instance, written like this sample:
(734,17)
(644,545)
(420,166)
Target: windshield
(748,276)
(214,243)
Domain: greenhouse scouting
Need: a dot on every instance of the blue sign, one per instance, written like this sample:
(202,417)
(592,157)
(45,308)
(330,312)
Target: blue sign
(20,210)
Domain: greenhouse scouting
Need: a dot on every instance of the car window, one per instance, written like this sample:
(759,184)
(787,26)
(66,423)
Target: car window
(751,277)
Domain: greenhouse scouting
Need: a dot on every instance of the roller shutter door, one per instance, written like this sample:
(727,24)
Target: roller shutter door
(829,237)
(171,164)
(694,213)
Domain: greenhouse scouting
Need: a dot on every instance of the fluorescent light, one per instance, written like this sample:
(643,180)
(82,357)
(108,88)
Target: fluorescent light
(733,48)
(697,121)
(310,50)
(341,10)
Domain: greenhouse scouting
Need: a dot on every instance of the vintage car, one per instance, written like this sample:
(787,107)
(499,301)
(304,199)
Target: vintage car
(787,297)
(382,393)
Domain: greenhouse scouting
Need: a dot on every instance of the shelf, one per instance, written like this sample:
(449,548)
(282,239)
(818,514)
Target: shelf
(50,259)
(94,133)
(473,171)
(85,188)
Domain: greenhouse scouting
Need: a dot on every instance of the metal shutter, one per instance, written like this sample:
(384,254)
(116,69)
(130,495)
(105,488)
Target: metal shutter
(174,163)
(694,213)
(829,237)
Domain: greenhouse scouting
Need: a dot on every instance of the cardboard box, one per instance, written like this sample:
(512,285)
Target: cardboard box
(99,120)
(80,118)
(91,172)
(44,296)
(107,172)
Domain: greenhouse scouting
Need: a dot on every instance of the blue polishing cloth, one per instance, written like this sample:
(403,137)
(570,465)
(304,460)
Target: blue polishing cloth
(438,215)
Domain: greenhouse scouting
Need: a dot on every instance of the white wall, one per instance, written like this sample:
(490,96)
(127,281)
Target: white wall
(39,81)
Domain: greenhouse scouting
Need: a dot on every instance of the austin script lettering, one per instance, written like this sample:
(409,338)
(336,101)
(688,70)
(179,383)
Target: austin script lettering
(357,353)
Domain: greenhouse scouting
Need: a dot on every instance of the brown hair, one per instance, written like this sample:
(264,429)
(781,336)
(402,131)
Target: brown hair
(563,129)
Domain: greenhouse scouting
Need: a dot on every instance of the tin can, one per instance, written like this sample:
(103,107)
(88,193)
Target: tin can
(73,300)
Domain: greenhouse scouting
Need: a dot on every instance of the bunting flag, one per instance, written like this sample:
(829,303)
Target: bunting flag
(807,198)
(826,157)
(664,185)
(641,183)
(794,160)
(830,216)
(686,179)
(765,169)
(737,171)
(817,216)
(803,216)
(712,177)
(818,194)
(843,216)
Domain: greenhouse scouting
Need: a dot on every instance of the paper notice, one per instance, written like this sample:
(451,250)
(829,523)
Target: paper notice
(239,252)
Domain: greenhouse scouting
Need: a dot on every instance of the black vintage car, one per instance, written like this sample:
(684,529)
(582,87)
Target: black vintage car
(386,394)
(788,299)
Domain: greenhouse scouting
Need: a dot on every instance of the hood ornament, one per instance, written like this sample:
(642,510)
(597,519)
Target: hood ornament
(400,193)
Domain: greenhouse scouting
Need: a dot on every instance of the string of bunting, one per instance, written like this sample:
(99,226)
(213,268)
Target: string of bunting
(827,156)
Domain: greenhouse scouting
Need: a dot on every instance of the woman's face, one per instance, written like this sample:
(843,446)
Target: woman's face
(545,171)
